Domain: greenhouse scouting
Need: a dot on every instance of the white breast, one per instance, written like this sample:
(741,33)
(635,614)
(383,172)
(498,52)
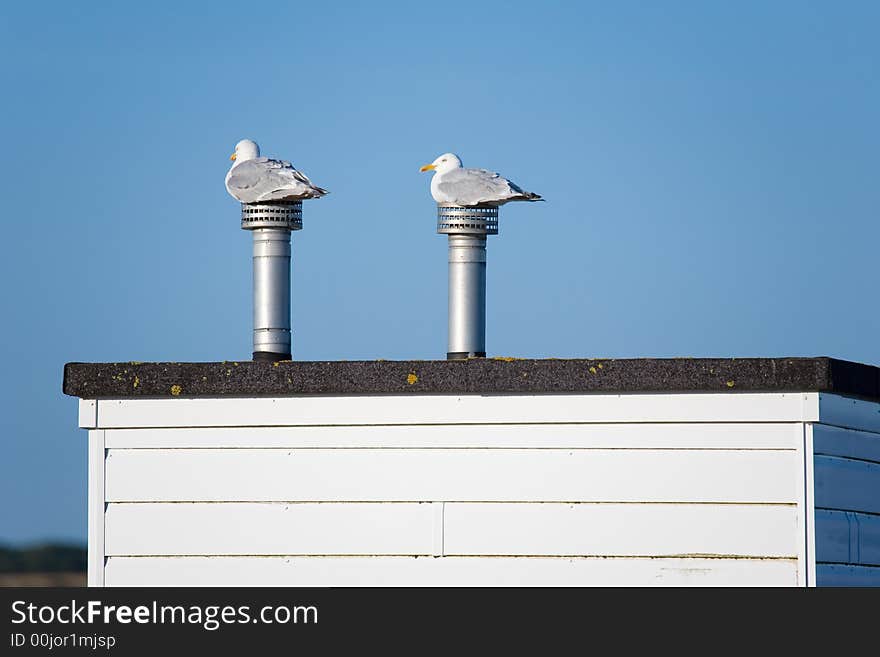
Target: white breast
(436,193)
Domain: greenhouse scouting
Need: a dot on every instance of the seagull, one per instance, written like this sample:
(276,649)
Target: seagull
(255,179)
(454,185)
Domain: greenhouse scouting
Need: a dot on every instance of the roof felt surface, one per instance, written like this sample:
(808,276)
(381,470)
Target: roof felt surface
(475,376)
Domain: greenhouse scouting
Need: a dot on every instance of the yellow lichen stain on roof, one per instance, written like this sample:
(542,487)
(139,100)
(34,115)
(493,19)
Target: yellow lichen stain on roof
(506,359)
(176,390)
(137,381)
(730,384)
(276,364)
(411,378)
(593,370)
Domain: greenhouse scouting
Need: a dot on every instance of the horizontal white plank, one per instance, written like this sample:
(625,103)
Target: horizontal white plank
(608,436)
(847,484)
(446,571)
(469,529)
(455,409)
(849,443)
(621,529)
(848,412)
(840,575)
(255,529)
(435,475)
(847,537)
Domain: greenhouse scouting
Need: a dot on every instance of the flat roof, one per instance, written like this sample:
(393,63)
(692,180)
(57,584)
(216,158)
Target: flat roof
(472,376)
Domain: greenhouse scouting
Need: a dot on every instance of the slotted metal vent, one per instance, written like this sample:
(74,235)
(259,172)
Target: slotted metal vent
(475,220)
(272,215)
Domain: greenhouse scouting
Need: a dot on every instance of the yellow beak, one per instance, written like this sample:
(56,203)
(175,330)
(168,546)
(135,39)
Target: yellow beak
(232,157)
(427,167)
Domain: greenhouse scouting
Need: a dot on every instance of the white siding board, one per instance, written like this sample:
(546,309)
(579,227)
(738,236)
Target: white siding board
(805,533)
(464,529)
(96,495)
(446,571)
(621,529)
(603,436)
(848,443)
(266,529)
(847,484)
(843,575)
(451,475)
(457,409)
(848,412)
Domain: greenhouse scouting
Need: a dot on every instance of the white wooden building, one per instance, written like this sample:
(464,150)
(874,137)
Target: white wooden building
(485,472)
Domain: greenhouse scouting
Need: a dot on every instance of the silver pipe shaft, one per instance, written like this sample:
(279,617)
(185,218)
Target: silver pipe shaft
(467,296)
(271,294)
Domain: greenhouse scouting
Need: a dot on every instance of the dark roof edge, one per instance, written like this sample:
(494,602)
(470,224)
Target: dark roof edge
(474,376)
(849,378)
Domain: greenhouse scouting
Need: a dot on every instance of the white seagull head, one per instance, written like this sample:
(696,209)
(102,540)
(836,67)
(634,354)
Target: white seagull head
(443,163)
(245,150)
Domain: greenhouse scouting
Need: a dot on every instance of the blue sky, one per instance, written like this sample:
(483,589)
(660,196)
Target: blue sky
(710,171)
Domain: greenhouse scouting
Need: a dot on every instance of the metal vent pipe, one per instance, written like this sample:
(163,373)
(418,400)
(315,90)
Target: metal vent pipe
(467,229)
(271,225)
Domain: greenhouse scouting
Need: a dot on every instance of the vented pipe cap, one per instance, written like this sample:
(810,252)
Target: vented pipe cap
(284,215)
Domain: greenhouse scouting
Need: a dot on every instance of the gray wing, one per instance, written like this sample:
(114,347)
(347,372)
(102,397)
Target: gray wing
(265,179)
(475,186)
